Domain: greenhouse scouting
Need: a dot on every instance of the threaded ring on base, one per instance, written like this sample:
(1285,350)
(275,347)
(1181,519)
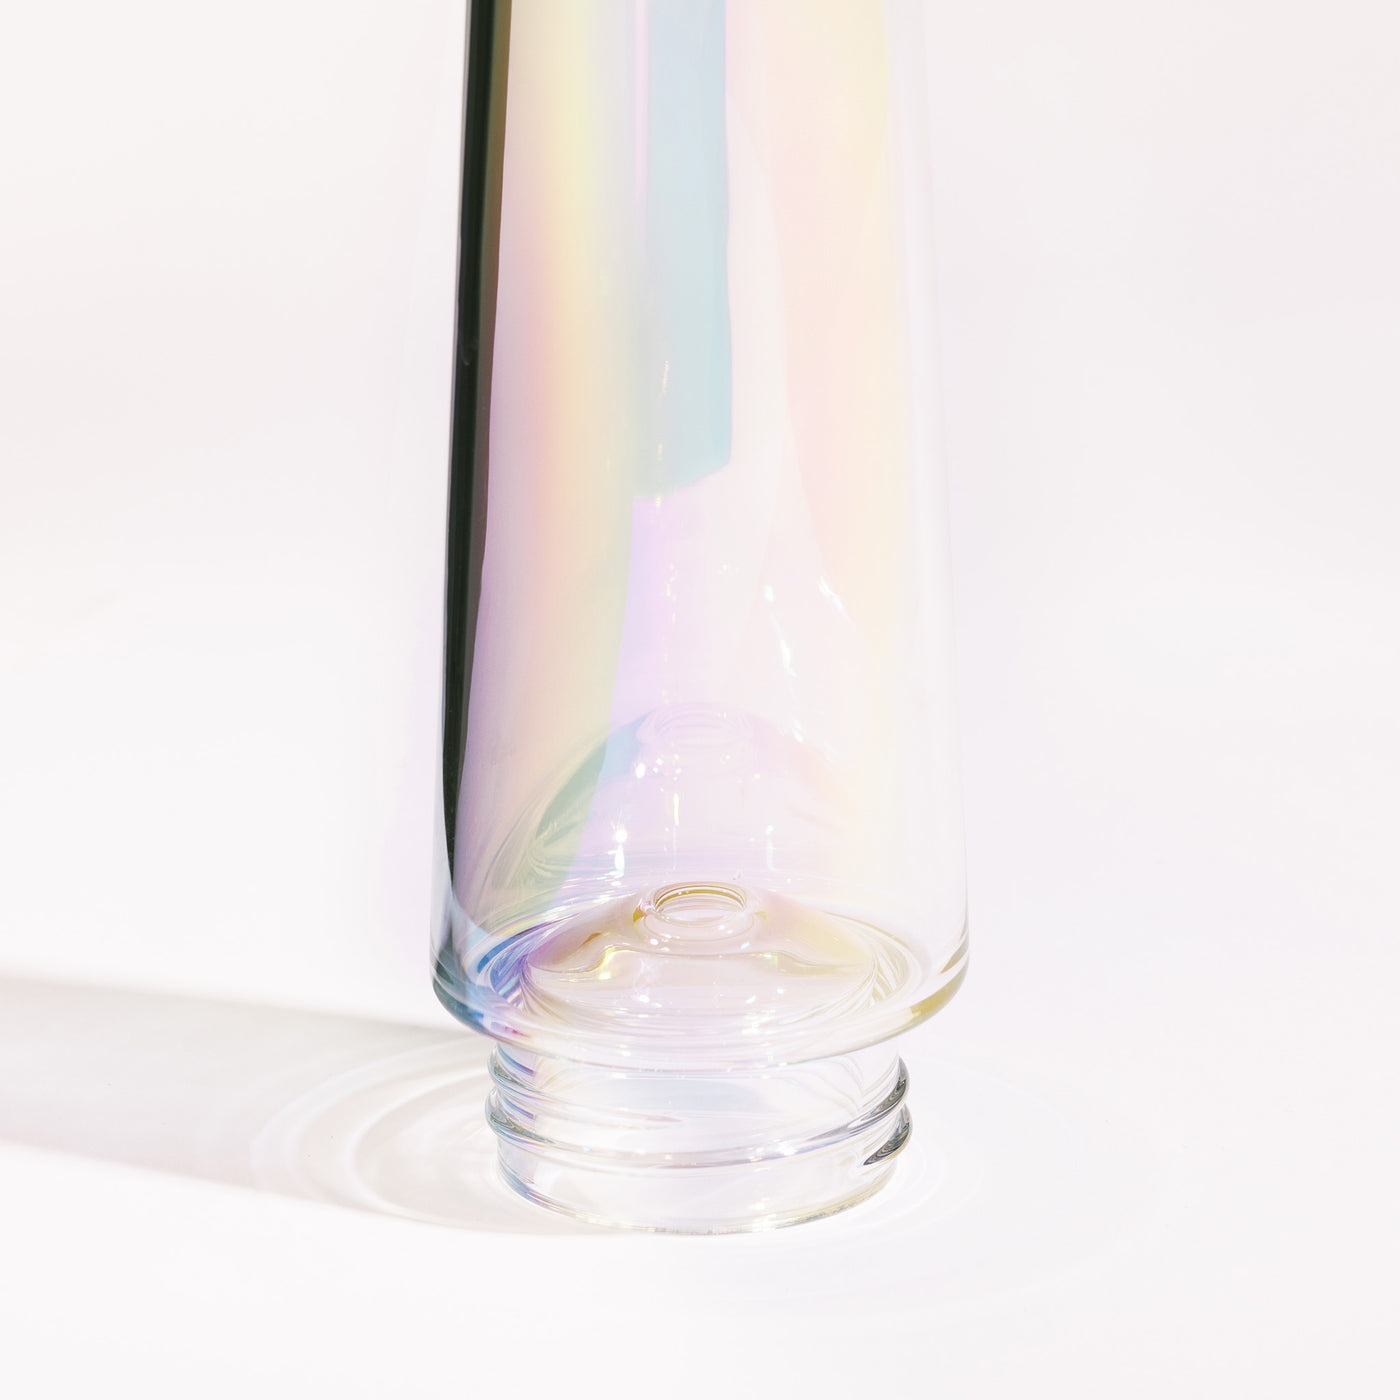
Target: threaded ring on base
(707,1153)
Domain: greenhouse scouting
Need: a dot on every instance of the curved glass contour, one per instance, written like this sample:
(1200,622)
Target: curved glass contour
(701,822)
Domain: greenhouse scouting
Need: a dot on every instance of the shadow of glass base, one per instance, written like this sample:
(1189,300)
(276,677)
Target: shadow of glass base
(371,1115)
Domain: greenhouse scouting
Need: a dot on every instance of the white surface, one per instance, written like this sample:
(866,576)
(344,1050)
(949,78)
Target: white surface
(1157,1129)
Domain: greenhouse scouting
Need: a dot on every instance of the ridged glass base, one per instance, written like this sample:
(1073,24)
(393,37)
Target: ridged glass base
(705,1153)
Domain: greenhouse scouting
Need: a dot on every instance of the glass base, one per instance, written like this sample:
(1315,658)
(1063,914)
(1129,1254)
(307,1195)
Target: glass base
(694,975)
(707,1153)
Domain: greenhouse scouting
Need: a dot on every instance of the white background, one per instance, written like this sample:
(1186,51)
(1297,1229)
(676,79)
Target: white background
(1158,1144)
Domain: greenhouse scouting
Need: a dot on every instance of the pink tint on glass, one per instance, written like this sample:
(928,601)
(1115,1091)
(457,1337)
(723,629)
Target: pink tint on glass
(707,848)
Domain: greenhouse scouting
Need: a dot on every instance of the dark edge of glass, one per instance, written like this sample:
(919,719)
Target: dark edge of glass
(478,249)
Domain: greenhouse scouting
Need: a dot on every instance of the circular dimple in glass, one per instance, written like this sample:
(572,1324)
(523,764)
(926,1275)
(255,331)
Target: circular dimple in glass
(700,966)
(687,727)
(696,912)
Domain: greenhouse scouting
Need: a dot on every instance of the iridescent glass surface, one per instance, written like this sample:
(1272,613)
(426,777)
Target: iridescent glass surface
(701,822)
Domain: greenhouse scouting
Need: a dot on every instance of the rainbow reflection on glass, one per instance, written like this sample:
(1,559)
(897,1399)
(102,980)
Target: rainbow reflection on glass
(701,836)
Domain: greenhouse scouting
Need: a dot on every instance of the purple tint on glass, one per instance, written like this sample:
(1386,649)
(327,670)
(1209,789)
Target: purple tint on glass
(703,811)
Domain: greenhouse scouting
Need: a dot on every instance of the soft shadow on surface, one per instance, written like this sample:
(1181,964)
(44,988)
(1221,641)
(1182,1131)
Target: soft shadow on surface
(367,1114)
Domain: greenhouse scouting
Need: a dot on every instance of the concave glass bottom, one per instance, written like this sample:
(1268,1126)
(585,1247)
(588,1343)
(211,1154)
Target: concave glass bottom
(694,974)
(698,1153)
(697,1057)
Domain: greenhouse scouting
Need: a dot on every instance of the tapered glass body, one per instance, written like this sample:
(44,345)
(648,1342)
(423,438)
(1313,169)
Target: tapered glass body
(701,827)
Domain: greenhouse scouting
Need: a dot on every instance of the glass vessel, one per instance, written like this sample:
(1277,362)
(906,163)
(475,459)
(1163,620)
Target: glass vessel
(701,839)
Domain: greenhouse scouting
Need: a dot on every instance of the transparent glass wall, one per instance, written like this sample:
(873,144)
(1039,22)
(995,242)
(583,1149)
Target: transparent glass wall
(701,812)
